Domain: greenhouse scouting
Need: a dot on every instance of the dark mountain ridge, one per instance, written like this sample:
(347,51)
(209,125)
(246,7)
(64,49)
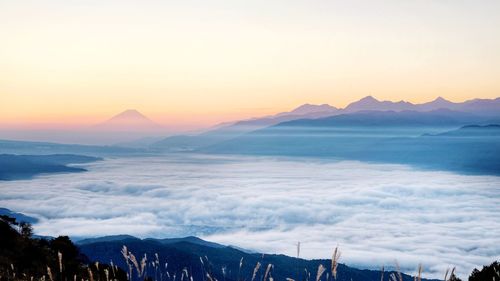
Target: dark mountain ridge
(187,253)
(44,148)
(14,167)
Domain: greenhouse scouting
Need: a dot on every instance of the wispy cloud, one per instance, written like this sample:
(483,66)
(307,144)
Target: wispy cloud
(376,213)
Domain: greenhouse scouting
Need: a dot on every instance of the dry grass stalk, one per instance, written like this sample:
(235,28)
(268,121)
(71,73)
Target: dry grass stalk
(59,257)
(382,274)
(239,269)
(125,252)
(446,274)
(91,276)
(143,264)
(255,270)
(419,275)
(321,270)
(208,276)
(135,263)
(126,256)
(398,270)
(224,271)
(269,266)
(289,279)
(452,273)
(112,268)
(49,273)
(335,261)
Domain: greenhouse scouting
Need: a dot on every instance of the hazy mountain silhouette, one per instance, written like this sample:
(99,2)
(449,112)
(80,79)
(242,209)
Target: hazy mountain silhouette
(370,103)
(446,119)
(311,110)
(125,127)
(438,103)
(231,130)
(308,111)
(370,118)
(129,120)
(441,111)
(477,106)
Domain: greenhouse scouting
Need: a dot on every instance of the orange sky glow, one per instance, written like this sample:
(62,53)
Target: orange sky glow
(192,64)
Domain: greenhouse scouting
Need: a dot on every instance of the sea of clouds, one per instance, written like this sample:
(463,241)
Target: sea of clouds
(375,213)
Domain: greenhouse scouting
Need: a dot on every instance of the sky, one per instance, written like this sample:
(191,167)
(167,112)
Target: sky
(198,63)
(375,213)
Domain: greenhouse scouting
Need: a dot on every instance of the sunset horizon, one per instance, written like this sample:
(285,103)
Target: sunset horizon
(249,140)
(198,64)
(181,122)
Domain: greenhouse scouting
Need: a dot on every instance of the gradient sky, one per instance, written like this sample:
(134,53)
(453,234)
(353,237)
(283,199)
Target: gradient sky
(202,62)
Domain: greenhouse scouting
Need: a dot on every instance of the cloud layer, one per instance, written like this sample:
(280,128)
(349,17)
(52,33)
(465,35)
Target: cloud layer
(375,213)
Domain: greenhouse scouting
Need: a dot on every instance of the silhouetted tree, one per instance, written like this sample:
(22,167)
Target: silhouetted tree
(23,257)
(489,272)
(26,229)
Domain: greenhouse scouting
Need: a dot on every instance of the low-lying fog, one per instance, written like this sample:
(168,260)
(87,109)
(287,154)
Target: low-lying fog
(376,213)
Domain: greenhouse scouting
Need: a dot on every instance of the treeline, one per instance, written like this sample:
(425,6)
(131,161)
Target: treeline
(23,257)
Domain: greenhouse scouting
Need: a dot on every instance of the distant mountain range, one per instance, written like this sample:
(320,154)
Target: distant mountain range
(468,112)
(480,107)
(131,128)
(475,106)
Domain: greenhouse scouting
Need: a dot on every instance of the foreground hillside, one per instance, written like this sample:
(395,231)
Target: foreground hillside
(223,263)
(25,258)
